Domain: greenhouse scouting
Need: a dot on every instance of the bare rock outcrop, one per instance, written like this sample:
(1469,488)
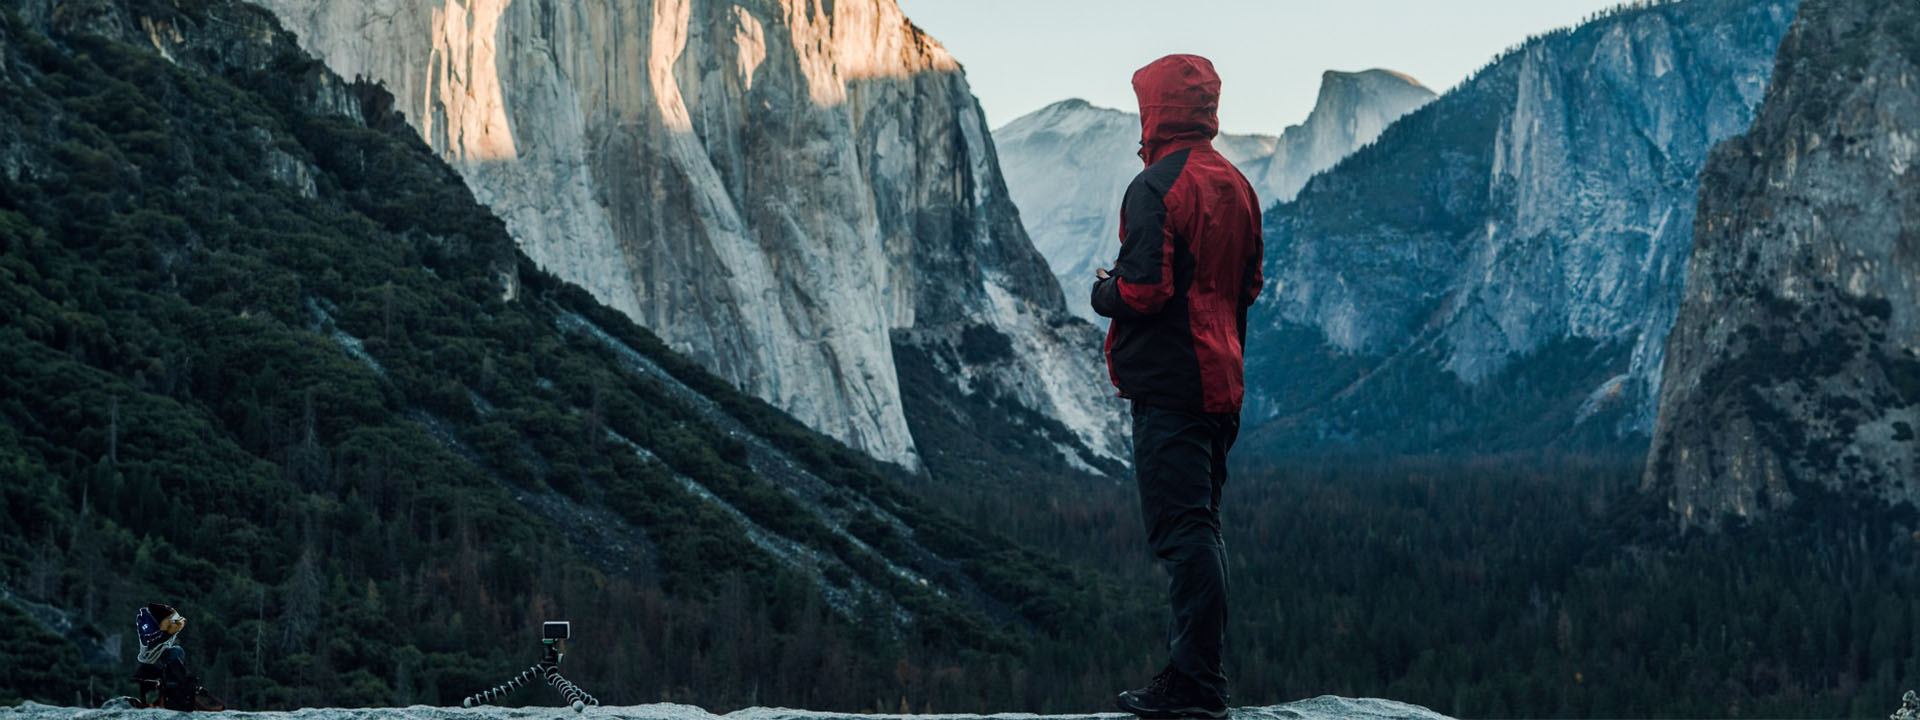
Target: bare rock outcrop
(1794,367)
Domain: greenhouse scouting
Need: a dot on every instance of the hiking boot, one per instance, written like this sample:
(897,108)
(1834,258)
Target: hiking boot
(206,702)
(1171,695)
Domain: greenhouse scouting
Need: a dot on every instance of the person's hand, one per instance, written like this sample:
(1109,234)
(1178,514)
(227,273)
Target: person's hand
(1101,273)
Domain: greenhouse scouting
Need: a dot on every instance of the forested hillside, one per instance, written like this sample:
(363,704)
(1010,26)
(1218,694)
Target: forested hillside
(263,357)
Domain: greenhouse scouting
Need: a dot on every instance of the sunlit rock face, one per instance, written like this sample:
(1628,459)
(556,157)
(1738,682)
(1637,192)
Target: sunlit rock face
(1067,166)
(781,189)
(1794,367)
(1352,110)
(1500,269)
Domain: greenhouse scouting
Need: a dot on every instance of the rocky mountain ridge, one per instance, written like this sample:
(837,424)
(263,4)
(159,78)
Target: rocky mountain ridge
(803,196)
(1499,270)
(1793,371)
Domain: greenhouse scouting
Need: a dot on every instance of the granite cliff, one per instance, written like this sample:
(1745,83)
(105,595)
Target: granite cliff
(1794,367)
(802,196)
(1499,270)
(1352,110)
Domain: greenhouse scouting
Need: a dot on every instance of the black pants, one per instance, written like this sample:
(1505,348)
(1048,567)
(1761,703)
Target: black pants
(1180,460)
(176,684)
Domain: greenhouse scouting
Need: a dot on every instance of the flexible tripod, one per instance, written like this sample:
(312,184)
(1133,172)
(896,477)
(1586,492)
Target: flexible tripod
(1909,708)
(549,669)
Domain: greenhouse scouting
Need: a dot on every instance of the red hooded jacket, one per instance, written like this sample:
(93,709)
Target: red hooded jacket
(1190,252)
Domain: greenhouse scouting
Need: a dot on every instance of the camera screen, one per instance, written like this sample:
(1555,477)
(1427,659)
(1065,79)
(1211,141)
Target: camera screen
(557,631)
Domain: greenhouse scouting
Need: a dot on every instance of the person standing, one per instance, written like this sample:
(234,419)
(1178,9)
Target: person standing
(164,679)
(1189,267)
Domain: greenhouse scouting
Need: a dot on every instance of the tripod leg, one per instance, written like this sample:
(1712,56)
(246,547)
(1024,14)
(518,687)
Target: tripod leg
(489,696)
(579,698)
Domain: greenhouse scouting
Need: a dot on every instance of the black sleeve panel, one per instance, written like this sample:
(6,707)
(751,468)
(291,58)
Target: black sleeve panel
(1107,302)
(1143,262)
(1146,220)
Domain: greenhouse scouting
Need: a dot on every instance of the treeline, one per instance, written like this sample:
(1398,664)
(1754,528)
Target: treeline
(1500,588)
(1523,587)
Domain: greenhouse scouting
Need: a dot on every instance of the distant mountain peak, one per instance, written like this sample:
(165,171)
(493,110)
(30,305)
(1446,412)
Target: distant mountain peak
(1066,117)
(1375,74)
(1351,110)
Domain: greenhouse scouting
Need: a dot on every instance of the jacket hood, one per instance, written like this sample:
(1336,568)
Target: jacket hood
(1179,104)
(147,620)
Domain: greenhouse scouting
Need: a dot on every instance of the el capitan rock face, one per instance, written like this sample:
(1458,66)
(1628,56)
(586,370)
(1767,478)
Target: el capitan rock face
(1499,270)
(796,196)
(1794,367)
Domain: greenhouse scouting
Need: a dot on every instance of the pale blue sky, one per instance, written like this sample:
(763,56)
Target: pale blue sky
(1021,55)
